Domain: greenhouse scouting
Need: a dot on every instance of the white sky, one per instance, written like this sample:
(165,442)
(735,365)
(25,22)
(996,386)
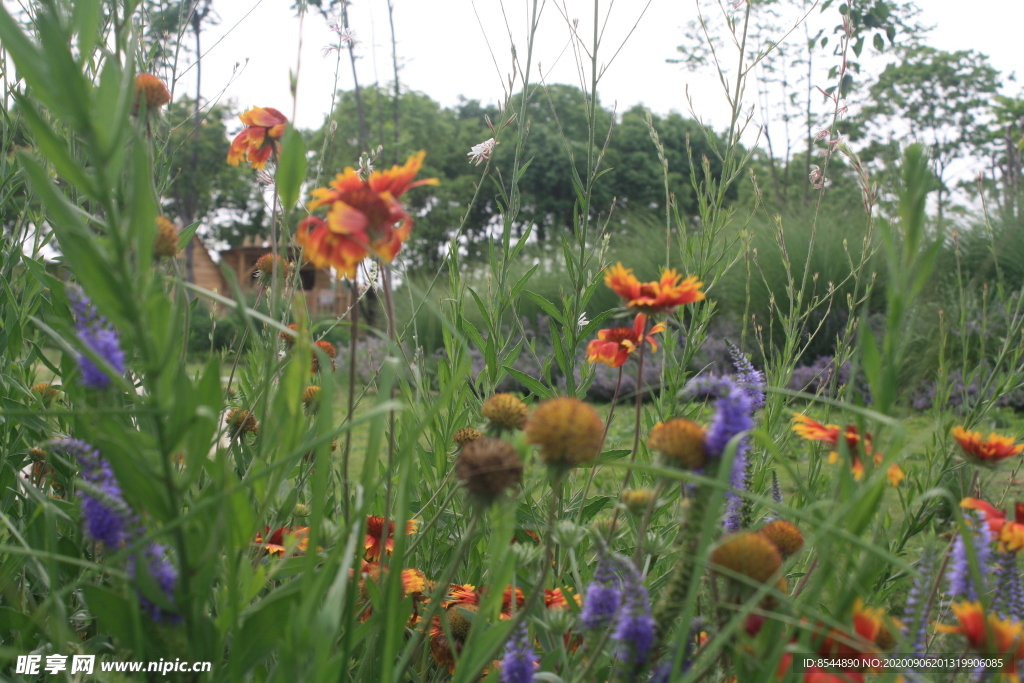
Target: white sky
(443,51)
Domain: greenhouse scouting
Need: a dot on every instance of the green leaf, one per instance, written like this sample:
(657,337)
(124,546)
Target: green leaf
(529,382)
(53,148)
(112,612)
(548,307)
(185,236)
(291,168)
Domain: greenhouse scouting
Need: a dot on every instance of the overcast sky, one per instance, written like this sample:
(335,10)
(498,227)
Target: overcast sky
(443,50)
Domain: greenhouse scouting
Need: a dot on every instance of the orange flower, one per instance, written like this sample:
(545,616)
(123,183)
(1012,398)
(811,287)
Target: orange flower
(986,452)
(1006,635)
(283,538)
(363,218)
(816,675)
(895,474)
(151,90)
(653,297)
(556,599)
(812,430)
(506,601)
(374,531)
(1009,531)
(613,346)
(461,594)
(257,143)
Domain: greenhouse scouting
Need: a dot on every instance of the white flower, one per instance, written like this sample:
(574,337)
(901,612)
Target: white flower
(482,152)
(582,322)
(822,135)
(326,50)
(347,36)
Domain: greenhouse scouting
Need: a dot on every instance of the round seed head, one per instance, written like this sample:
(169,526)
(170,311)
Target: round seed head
(749,554)
(680,443)
(459,624)
(166,244)
(506,411)
(311,397)
(150,91)
(784,536)
(637,500)
(486,467)
(288,339)
(567,430)
(465,435)
(241,421)
(265,269)
(45,391)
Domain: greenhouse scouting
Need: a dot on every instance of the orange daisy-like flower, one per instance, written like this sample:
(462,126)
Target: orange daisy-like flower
(461,594)
(613,346)
(374,530)
(363,217)
(810,429)
(986,634)
(506,602)
(869,634)
(653,297)
(258,142)
(986,452)
(816,675)
(284,538)
(1010,532)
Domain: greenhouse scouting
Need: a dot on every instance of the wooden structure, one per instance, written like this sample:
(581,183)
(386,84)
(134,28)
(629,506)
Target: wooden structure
(325,295)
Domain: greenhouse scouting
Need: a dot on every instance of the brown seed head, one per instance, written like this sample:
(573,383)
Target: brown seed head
(680,443)
(637,500)
(784,536)
(45,391)
(506,411)
(486,467)
(328,348)
(241,421)
(288,339)
(265,269)
(150,90)
(568,431)
(749,554)
(37,453)
(460,625)
(166,244)
(465,435)
(310,394)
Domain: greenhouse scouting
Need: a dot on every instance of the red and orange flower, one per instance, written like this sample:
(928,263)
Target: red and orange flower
(810,429)
(363,218)
(613,346)
(284,538)
(258,142)
(987,634)
(374,530)
(986,452)
(1010,532)
(662,295)
(871,633)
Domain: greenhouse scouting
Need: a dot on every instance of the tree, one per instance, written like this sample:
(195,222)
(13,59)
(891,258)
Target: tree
(940,98)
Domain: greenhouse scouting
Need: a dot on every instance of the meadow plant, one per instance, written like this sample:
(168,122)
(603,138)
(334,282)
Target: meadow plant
(381,510)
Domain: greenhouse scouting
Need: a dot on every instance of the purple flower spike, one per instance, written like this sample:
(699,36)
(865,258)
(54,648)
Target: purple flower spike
(750,378)
(634,630)
(96,333)
(108,518)
(520,660)
(603,597)
(961,582)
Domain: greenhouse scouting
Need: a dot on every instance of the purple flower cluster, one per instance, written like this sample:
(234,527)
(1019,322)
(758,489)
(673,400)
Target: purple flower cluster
(603,597)
(110,520)
(96,333)
(961,582)
(1008,596)
(617,597)
(750,378)
(520,660)
(915,626)
(732,416)
(634,629)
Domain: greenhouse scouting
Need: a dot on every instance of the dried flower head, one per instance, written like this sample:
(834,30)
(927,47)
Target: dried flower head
(328,348)
(264,271)
(150,90)
(288,339)
(505,411)
(240,421)
(486,467)
(568,431)
(46,392)
(784,536)
(748,554)
(465,435)
(166,244)
(637,500)
(680,442)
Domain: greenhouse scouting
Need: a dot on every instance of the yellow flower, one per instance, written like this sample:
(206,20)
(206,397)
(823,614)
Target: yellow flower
(568,431)
(680,442)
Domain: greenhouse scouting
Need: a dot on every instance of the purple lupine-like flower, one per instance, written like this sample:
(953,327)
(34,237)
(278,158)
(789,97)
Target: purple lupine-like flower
(915,626)
(603,597)
(108,518)
(1007,578)
(961,582)
(634,627)
(95,332)
(166,576)
(732,416)
(520,660)
(750,378)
